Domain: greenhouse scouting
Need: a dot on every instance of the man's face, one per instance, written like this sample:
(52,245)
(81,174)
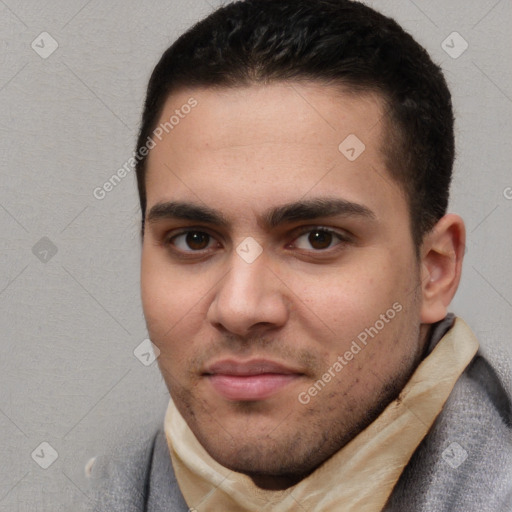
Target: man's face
(249,341)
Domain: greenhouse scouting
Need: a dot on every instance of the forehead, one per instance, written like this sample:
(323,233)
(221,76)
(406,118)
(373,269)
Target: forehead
(264,144)
(305,113)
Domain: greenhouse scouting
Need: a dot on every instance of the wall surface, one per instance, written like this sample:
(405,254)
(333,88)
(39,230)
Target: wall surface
(72,82)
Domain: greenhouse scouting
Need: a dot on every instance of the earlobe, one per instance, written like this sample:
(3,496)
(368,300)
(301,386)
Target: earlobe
(442,254)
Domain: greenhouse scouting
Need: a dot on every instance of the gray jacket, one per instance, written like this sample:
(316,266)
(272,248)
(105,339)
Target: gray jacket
(464,464)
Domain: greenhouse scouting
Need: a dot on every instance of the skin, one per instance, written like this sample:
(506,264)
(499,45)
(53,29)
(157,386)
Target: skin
(303,301)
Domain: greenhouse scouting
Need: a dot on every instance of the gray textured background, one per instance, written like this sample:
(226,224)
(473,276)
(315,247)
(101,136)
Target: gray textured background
(71,320)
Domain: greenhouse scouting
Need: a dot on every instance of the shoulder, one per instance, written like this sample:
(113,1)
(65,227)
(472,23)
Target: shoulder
(136,474)
(465,461)
(119,477)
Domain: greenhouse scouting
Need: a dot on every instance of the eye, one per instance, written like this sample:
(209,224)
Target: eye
(319,239)
(191,241)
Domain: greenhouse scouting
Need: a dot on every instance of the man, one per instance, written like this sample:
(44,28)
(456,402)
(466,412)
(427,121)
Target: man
(298,261)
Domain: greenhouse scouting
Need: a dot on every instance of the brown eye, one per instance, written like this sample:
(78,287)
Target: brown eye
(320,239)
(197,240)
(191,241)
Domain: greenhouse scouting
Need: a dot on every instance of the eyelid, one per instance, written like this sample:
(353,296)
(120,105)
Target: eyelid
(306,229)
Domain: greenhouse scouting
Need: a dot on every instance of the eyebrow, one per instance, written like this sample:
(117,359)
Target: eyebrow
(292,212)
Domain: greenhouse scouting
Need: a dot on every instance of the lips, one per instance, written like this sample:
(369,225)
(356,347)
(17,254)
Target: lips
(252,380)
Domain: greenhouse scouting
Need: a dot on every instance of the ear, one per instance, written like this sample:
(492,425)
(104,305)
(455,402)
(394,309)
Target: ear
(442,252)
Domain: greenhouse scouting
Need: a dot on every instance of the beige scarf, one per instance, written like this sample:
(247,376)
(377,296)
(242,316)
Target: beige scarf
(360,476)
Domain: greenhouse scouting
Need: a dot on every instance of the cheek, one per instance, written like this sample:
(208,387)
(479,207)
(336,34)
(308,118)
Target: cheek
(349,297)
(348,302)
(164,295)
(174,301)
(169,313)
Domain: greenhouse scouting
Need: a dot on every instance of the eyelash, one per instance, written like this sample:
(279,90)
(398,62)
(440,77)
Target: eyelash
(168,241)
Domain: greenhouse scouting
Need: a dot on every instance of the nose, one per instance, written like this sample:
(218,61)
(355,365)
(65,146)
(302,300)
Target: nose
(249,298)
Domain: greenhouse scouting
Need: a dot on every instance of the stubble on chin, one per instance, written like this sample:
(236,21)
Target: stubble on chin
(300,440)
(292,449)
